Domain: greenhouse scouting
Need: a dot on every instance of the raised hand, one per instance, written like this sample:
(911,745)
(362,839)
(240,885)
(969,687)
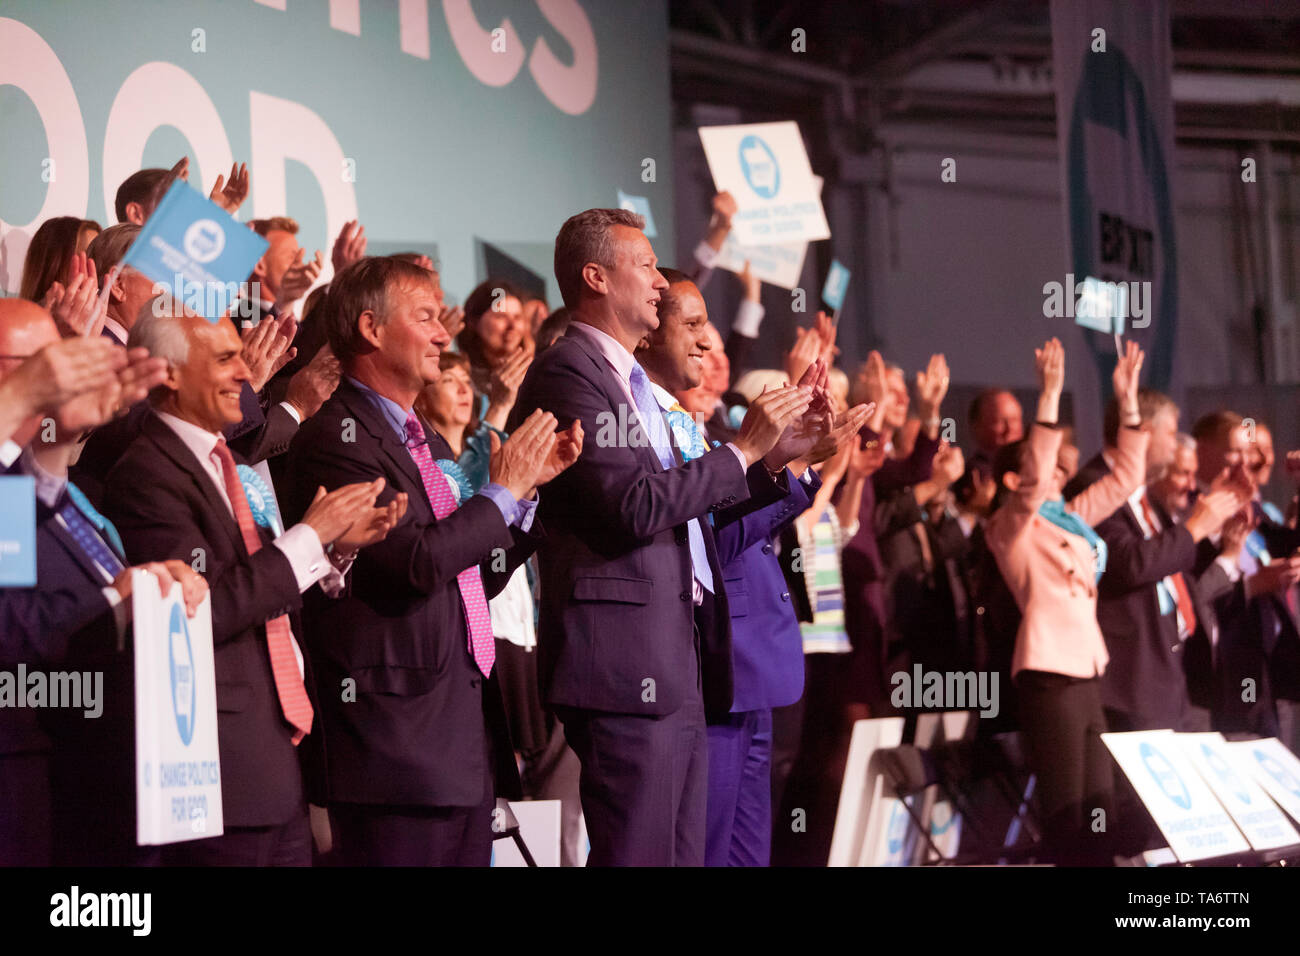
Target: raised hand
(949,465)
(1212,510)
(844,431)
(64,369)
(313,384)
(1049,362)
(77,308)
(522,460)
(266,349)
(568,446)
(753,285)
(181,170)
(1128,370)
(299,277)
(805,351)
(452,318)
(332,515)
(931,387)
(372,525)
(350,246)
(724,208)
(506,379)
(768,417)
(230,195)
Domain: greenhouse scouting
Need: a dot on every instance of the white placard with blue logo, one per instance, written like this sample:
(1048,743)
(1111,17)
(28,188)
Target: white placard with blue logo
(17,531)
(780,263)
(178,767)
(196,249)
(765,168)
(1264,825)
(1274,768)
(1182,804)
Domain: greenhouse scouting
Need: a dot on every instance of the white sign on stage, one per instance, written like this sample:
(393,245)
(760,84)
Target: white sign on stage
(178,768)
(1181,803)
(862,789)
(778,263)
(1264,825)
(1275,768)
(765,168)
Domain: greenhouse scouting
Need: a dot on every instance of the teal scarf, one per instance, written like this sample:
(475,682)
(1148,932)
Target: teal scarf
(1054,511)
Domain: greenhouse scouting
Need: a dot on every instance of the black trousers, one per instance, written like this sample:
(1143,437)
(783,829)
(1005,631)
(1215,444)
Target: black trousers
(379,835)
(1062,720)
(288,844)
(25,830)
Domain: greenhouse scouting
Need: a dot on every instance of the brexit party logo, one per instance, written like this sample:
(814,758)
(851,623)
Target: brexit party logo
(1165,776)
(758,163)
(1225,774)
(181,665)
(1277,772)
(204,241)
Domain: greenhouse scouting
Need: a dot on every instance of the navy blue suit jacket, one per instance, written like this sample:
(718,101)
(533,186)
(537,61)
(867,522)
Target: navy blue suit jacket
(419,730)
(766,644)
(616,573)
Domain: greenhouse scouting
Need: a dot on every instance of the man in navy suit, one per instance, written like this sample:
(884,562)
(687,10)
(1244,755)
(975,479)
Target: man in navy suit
(180,490)
(414,730)
(634,636)
(767,650)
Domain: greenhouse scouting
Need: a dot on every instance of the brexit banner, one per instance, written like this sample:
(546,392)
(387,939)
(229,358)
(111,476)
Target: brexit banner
(1112,64)
(178,767)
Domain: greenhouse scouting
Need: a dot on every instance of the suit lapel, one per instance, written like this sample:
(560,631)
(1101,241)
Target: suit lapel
(377,426)
(169,443)
(614,394)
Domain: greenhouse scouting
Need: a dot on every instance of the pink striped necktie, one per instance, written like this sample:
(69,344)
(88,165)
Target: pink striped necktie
(478,620)
(284,663)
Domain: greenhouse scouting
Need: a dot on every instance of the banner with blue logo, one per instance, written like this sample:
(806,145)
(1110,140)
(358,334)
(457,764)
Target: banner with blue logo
(641,206)
(197,250)
(1263,824)
(765,168)
(178,767)
(1273,767)
(17,531)
(1182,804)
(1112,65)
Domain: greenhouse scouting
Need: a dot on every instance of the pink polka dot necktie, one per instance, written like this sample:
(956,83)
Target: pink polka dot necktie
(284,663)
(478,620)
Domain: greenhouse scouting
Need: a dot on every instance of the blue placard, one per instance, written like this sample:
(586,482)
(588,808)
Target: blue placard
(17,531)
(197,250)
(837,283)
(641,206)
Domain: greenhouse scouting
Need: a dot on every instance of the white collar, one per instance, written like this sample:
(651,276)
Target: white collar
(197,439)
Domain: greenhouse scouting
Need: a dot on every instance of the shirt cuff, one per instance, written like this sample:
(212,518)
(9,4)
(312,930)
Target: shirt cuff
(706,255)
(527,510)
(293,412)
(1230,568)
(48,487)
(9,453)
(504,501)
(302,547)
(740,455)
(748,318)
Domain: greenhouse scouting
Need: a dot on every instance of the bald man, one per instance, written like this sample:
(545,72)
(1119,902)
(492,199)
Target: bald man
(74,619)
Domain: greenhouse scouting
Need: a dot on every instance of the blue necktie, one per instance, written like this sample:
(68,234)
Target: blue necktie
(83,532)
(105,526)
(652,420)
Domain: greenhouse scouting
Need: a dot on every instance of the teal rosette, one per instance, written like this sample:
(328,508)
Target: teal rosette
(260,500)
(456,477)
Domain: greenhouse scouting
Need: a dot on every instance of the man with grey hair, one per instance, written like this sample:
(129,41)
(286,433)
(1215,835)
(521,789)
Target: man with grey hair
(179,489)
(634,635)
(1172,488)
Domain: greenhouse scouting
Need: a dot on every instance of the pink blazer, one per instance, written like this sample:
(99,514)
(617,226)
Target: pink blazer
(1051,572)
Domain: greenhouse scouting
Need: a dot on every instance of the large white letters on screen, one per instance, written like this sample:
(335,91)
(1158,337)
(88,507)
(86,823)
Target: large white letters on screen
(474,44)
(413,24)
(27,62)
(162,94)
(284,130)
(571,88)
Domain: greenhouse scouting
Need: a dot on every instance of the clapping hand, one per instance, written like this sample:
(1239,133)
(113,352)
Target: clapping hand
(299,277)
(350,246)
(230,194)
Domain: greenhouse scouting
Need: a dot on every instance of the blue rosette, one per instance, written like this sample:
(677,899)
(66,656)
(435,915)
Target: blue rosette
(456,477)
(260,500)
